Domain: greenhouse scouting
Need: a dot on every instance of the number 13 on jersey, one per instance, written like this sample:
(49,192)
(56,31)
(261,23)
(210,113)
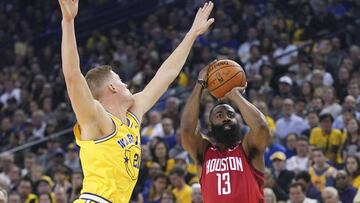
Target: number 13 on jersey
(224,187)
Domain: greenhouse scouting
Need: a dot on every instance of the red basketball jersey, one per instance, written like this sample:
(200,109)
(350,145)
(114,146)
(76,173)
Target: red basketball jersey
(228,177)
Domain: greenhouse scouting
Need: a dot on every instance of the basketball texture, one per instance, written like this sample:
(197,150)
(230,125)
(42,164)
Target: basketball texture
(223,76)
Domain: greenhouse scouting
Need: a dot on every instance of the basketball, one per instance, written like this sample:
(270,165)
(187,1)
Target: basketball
(223,76)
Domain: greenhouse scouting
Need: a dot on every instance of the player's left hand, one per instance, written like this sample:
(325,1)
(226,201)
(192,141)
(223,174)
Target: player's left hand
(234,93)
(201,22)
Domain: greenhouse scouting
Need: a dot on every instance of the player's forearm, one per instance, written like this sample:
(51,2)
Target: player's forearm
(252,116)
(190,115)
(174,63)
(69,53)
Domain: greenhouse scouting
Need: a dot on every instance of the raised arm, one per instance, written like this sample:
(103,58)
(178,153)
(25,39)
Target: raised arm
(172,66)
(191,138)
(85,107)
(256,141)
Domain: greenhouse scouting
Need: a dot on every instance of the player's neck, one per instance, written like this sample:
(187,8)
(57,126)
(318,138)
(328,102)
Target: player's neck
(223,147)
(118,111)
(116,107)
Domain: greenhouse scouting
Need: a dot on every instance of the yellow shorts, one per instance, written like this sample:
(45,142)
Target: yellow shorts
(91,198)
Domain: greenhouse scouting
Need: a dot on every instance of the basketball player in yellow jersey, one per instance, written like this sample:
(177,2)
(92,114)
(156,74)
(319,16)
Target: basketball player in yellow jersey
(109,115)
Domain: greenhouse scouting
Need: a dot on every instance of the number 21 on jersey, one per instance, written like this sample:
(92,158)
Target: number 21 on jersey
(224,187)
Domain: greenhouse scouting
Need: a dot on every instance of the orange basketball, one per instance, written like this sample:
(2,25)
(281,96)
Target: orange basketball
(223,76)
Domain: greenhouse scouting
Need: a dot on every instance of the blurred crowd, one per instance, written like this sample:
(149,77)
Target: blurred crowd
(302,62)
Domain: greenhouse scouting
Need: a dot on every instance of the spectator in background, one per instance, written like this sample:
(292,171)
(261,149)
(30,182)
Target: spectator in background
(262,106)
(76,184)
(290,144)
(158,186)
(168,197)
(342,120)
(196,193)
(331,106)
(10,91)
(72,159)
(281,174)
(289,123)
(154,128)
(25,190)
(181,190)
(352,141)
(299,162)
(321,173)
(3,196)
(60,195)
(14,197)
(169,135)
(310,190)
(330,195)
(307,91)
(45,198)
(312,121)
(244,49)
(297,194)
(346,191)
(286,53)
(269,195)
(160,156)
(269,182)
(352,167)
(317,104)
(39,124)
(285,86)
(354,90)
(44,185)
(172,110)
(271,149)
(328,139)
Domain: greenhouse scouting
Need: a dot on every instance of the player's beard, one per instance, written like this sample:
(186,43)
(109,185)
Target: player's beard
(227,134)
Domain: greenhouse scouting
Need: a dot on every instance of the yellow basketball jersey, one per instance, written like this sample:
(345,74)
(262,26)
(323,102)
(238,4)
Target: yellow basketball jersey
(111,164)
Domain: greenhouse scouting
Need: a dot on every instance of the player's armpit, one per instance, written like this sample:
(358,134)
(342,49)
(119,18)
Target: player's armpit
(195,144)
(255,144)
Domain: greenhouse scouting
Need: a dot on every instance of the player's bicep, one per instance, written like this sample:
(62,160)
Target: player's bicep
(146,99)
(194,144)
(256,142)
(82,101)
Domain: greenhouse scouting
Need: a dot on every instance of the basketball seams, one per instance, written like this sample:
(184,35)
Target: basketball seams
(213,72)
(227,80)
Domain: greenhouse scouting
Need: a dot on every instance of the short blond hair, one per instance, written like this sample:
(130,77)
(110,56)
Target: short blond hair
(96,77)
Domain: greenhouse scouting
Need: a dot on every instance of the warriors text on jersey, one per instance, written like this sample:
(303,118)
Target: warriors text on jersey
(111,164)
(228,176)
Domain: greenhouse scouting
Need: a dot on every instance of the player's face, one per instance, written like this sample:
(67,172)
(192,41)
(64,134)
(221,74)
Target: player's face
(224,126)
(121,88)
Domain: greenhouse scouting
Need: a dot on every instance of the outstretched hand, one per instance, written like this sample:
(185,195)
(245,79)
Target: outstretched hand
(201,22)
(69,9)
(233,93)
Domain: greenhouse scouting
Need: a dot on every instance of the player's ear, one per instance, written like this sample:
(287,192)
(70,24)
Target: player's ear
(112,88)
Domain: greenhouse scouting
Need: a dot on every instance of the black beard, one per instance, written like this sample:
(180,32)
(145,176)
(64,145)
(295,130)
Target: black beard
(229,135)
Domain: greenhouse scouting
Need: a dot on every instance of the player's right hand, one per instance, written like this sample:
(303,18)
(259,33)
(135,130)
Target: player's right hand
(201,22)
(69,9)
(203,72)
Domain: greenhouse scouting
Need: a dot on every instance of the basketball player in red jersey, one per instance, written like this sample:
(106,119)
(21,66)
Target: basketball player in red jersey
(231,168)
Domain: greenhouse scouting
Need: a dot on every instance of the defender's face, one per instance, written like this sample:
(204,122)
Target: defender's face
(121,88)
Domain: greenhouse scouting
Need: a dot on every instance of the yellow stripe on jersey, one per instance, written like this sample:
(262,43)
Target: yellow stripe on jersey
(111,164)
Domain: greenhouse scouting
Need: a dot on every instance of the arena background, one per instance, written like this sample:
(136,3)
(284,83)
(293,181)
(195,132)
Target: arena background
(301,57)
